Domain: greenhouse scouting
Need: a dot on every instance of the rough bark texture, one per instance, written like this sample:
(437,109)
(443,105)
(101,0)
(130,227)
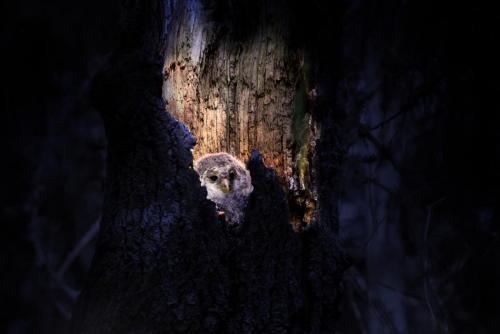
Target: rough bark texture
(163,262)
(235,93)
(232,76)
(408,135)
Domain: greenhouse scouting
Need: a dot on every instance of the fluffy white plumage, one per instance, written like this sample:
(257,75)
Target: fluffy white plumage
(228,184)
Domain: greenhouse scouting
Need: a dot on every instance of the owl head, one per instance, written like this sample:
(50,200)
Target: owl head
(224,176)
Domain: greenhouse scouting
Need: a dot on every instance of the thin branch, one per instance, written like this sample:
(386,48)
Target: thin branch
(375,182)
(427,283)
(422,93)
(374,231)
(405,294)
(75,252)
(382,149)
(70,292)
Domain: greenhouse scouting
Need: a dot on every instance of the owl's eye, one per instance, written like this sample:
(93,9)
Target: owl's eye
(213,178)
(232,174)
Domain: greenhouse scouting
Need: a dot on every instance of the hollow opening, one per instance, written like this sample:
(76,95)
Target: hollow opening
(239,94)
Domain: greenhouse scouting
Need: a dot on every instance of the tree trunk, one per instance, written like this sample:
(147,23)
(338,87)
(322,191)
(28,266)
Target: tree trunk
(233,77)
(163,263)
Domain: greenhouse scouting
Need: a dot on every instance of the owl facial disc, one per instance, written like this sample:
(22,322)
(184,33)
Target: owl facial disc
(228,183)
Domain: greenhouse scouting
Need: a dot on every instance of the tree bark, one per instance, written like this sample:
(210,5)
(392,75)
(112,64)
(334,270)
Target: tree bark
(163,262)
(233,76)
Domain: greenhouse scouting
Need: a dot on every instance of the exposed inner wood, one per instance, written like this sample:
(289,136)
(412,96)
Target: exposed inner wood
(240,94)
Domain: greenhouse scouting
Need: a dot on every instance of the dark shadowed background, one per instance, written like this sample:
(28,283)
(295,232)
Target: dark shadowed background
(420,185)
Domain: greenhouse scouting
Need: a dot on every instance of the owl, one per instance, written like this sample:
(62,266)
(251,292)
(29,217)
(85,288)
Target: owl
(228,184)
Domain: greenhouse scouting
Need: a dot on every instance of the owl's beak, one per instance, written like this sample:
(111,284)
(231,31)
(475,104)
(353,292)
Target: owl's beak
(225,186)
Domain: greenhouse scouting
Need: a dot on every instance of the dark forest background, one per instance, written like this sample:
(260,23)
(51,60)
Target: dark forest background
(418,213)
